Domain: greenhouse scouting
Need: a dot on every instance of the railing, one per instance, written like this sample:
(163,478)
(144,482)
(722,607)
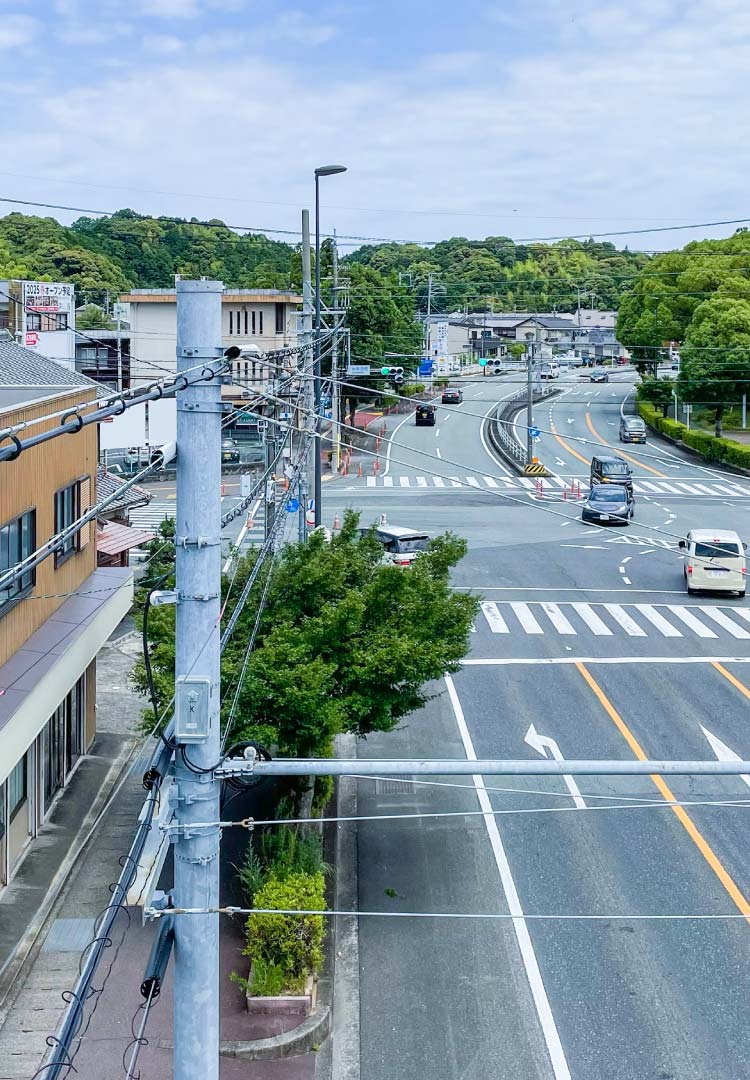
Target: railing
(500,434)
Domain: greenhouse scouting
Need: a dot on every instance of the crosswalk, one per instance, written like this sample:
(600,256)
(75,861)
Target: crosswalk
(724,489)
(579,618)
(151,517)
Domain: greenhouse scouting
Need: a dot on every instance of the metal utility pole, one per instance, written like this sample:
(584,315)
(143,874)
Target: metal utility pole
(308,364)
(269,453)
(198,589)
(529,400)
(119,355)
(335,384)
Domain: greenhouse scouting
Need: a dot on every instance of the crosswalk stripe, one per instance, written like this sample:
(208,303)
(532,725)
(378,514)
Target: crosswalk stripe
(658,621)
(421,481)
(371,481)
(725,489)
(670,488)
(526,619)
(650,486)
(455,482)
(704,488)
(387,481)
(492,614)
(404,481)
(639,489)
(556,617)
(490,481)
(690,620)
(438,481)
(629,625)
(525,481)
(743,613)
(724,621)
(472,481)
(556,480)
(591,619)
(687,487)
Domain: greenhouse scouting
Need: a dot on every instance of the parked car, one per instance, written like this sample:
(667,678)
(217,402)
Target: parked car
(402,546)
(609,503)
(452,395)
(230,452)
(714,559)
(425,415)
(599,375)
(610,469)
(632,429)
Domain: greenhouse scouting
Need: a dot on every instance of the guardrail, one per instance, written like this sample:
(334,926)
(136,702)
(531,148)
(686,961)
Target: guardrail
(500,435)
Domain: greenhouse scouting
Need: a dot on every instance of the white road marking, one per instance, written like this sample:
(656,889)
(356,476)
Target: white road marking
(524,616)
(556,617)
(472,481)
(690,620)
(421,481)
(659,621)
(438,480)
(492,614)
(507,661)
(391,441)
(723,752)
(387,481)
(404,481)
(591,619)
(543,743)
(629,625)
(371,481)
(490,482)
(725,622)
(437,451)
(528,956)
(627,581)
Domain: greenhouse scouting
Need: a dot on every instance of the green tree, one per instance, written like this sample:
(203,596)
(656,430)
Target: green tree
(92,317)
(659,392)
(715,359)
(517,349)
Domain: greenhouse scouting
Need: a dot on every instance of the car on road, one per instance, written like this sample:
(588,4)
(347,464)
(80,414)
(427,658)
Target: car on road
(550,370)
(715,560)
(599,375)
(632,429)
(230,452)
(401,545)
(610,503)
(610,469)
(425,415)
(452,395)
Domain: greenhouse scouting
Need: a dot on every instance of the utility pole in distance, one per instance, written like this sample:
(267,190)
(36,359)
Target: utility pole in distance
(308,363)
(197,731)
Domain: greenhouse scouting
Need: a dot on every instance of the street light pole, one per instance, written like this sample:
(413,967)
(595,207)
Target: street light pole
(323,170)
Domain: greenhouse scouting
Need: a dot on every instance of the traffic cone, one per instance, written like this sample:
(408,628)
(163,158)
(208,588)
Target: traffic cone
(223,489)
(359,469)
(336,522)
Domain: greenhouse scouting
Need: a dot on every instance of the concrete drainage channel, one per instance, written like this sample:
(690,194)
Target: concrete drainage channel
(499,422)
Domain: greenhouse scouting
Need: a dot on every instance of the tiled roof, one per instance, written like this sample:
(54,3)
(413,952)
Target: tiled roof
(107,484)
(26,368)
(113,539)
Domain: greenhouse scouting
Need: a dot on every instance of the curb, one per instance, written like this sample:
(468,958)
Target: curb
(300,1040)
(345,1029)
(497,445)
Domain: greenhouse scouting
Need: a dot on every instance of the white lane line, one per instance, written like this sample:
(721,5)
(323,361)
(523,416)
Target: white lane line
(724,621)
(556,617)
(657,620)
(528,956)
(591,619)
(437,432)
(391,440)
(627,581)
(524,616)
(621,569)
(626,560)
(496,622)
(507,661)
(437,451)
(690,620)
(629,625)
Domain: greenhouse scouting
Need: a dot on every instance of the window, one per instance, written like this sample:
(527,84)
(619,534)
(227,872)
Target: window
(260,322)
(66,511)
(18,787)
(253,320)
(246,322)
(17,542)
(231,322)
(61,321)
(280,318)
(33,320)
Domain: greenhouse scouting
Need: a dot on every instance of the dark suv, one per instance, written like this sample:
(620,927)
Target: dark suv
(425,415)
(632,429)
(611,469)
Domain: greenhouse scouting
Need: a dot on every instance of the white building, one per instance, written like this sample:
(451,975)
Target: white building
(41,316)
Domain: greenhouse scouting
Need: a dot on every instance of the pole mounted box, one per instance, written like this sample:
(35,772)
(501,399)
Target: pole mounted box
(192,695)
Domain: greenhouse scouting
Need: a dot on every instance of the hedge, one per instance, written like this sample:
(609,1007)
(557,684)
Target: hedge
(293,943)
(708,446)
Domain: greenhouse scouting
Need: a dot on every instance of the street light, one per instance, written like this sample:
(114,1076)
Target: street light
(322,170)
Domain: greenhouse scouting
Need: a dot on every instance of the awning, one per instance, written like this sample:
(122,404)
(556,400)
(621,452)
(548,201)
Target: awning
(113,539)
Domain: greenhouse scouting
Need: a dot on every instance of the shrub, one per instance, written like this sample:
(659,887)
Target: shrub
(281,851)
(733,453)
(293,943)
(324,786)
(672,428)
(703,443)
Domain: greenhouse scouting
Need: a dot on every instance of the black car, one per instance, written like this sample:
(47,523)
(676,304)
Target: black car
(599,375)
(632,429)
(609,503)
(425,416)
(230,452)
(611,469)
(452,395)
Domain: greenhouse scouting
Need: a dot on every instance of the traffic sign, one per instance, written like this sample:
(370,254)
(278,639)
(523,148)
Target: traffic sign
(358,369)
(310,517)
(292,506)
(534,432)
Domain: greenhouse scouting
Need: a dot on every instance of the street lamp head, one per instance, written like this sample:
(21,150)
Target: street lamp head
(329,170)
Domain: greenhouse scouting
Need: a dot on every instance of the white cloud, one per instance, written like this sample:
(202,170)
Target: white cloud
(17,30)
(170,9)
(301,28)
(162,44)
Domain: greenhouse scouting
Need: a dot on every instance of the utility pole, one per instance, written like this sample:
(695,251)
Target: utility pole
(198,593)
(429,312)
(529,400)
(308,365)
(119,353)
(269,453)
(335,384)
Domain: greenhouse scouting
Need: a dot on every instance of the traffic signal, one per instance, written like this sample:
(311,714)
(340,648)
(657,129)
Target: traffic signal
(395,374)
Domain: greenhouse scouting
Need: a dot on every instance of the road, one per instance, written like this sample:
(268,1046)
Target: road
(586,645)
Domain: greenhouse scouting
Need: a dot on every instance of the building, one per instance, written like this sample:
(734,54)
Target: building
(114,536)
(55,618)
(40,315)
(104,356)
(256,320)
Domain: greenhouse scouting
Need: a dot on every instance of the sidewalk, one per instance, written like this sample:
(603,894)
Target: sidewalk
(53,958)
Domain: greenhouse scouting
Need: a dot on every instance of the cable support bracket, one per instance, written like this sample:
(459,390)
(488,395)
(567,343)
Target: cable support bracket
(197,541)
(220,407)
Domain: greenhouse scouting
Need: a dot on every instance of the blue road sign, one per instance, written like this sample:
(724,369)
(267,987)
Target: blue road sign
(534,432)
(425,367)
(292,506)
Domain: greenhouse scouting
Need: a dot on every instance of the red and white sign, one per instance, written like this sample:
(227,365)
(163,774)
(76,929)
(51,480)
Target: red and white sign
(32,338)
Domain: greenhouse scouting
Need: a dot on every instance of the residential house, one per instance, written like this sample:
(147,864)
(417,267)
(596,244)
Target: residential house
(55,618)
(41,315)
(104,356)
(115,538)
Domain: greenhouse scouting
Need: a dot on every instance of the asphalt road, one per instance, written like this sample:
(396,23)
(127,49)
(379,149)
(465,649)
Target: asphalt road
(586,646)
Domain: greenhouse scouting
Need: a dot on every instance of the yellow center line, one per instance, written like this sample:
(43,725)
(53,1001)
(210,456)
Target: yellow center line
(666,792)
(730,678)
(568,449)
(634,461)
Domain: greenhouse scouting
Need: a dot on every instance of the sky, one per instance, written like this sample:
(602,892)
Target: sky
(532,120)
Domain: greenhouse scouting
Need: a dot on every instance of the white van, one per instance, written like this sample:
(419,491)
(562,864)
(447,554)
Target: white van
(714,560)
(550,369)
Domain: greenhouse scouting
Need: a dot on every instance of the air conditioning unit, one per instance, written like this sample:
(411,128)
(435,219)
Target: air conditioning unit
(247,394)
